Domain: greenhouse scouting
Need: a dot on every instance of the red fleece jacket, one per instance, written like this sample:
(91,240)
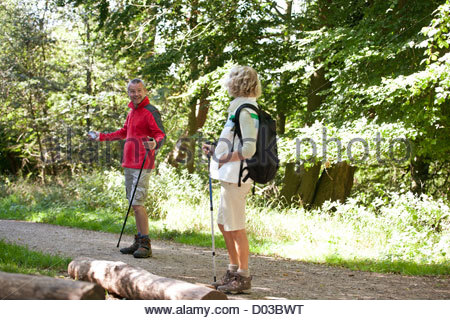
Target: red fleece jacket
(141,123)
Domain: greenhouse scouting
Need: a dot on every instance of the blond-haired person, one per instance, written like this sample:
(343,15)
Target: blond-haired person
(244,86)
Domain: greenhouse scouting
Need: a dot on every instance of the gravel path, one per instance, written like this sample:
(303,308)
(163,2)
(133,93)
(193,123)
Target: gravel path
(273,278)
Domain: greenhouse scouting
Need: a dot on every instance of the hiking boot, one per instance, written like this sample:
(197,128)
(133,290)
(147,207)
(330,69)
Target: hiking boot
(237,284)
(144,250)
(131,249)
(225,279)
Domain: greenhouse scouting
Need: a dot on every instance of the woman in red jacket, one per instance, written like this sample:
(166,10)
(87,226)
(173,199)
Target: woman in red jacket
(143,122)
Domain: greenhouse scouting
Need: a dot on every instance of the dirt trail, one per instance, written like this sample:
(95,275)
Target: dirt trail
(272,278)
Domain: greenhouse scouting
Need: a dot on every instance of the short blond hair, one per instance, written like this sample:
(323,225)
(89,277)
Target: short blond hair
(243,81)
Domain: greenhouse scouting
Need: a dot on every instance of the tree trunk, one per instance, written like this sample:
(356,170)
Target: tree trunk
(136,283)
(318,83)
(334,184)
(184,151)
(203,108)
(194,73)
(192,129)
(35,126)
(281,123)
(304,183)
(27,287)
(300,183)
(283,102)
(419,175)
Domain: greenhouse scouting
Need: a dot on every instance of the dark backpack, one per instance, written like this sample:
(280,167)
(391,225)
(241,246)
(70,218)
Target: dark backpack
(264,164)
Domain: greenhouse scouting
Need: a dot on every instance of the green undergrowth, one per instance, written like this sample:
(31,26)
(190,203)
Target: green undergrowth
(19,259)
(396,233)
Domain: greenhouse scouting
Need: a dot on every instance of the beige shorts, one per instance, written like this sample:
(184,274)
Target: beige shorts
(131,176)
(232,205)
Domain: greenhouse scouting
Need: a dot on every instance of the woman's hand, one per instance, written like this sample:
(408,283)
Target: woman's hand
(208,149)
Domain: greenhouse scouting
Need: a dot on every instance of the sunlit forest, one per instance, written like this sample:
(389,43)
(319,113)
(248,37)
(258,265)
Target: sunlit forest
(360,90)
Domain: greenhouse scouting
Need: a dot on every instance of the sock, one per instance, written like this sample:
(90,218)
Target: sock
(139,235)
(144,236)
(244,272)
(233,267)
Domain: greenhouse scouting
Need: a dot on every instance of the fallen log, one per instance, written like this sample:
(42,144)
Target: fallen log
(29,287)
(136,283)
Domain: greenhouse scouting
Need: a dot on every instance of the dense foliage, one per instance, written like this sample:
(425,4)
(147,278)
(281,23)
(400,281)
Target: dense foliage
(364,83)
(399,233)
(373,70)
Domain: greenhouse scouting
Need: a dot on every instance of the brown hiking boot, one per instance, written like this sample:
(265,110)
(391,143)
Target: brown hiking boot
(237,284)
(131,249)
(225,279)
(144,250)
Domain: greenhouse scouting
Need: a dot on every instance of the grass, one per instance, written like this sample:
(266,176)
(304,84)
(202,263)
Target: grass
(19,259)
(399,267)
(349,235)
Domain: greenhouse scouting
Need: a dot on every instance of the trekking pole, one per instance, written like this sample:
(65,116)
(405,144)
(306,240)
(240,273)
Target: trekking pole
(132,197)
(212,219)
